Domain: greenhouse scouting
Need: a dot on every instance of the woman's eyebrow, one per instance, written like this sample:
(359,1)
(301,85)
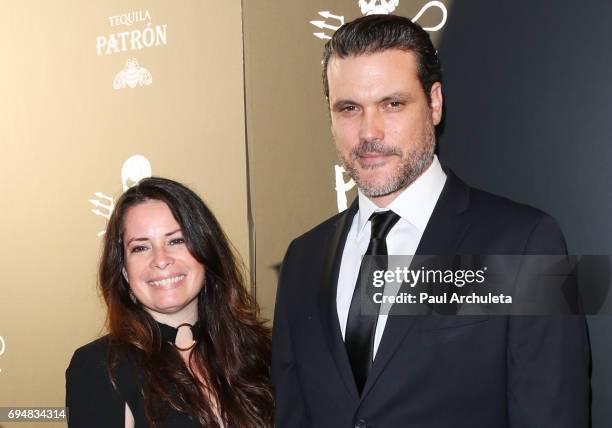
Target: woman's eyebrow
(172,233)
(146,239)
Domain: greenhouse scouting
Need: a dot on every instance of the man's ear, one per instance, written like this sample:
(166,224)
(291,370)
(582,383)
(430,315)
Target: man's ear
(125,275)
(435,94)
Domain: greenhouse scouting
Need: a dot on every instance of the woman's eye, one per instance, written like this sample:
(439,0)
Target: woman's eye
(177,241)
(138,249)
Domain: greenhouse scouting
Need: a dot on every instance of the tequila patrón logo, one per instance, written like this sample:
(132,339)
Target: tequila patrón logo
(133,32)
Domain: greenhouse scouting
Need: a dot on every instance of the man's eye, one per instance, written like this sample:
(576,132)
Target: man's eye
(177,241)
(395,104)
(349,109)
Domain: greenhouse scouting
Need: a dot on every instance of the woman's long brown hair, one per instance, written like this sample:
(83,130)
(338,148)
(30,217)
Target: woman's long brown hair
(233,345)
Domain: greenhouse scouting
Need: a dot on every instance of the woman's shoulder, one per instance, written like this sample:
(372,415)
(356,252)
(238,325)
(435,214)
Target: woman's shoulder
(92,393)
(90,396)
(88,369)
(91,356)
(91,362)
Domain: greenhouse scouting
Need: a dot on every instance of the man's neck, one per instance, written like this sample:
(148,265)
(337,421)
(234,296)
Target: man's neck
(385,200)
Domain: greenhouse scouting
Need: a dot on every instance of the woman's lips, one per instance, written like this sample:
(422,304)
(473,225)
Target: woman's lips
(168,282)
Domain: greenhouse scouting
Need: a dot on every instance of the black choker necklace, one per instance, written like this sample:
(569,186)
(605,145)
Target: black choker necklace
(169,334)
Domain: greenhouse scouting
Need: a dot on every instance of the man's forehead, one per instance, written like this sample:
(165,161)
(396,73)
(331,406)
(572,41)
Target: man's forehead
(394,69)
(389,64)
(399,55)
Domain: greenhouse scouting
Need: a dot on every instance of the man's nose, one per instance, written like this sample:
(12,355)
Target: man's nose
(372,126)
(161,258)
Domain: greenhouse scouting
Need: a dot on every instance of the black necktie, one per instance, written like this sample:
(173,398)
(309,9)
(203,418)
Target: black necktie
(361,323)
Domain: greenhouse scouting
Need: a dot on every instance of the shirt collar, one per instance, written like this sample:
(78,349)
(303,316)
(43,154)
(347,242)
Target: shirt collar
(414,204)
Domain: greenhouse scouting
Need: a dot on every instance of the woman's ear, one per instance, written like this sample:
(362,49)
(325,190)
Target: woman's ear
(125,275)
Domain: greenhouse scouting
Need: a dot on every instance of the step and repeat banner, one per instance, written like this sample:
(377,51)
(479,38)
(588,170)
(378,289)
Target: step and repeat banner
(95,96)
(527,116)
(227,97)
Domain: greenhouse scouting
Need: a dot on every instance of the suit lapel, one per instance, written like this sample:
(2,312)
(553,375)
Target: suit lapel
(447,226)
(327,298)
(443,233)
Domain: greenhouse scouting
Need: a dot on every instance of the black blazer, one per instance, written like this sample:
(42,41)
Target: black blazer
(433,371)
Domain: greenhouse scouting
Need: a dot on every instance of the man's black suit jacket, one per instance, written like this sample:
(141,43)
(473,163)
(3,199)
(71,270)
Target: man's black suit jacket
(432,371)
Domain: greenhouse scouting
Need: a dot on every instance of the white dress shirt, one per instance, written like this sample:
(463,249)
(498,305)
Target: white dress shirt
(414,206)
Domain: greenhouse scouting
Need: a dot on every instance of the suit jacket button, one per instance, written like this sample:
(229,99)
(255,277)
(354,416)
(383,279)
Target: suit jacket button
(361,424)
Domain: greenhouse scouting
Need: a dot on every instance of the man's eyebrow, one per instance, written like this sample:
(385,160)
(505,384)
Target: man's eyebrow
(397,96)
(146,239)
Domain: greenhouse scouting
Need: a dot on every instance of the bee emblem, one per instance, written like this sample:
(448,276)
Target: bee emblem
(132,75)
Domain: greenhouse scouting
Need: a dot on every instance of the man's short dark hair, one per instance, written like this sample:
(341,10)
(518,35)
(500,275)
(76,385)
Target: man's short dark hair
(377,33)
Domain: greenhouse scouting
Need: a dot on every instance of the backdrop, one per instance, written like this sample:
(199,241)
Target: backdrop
(295,180)
(528,107)
(227,97)
(94,96)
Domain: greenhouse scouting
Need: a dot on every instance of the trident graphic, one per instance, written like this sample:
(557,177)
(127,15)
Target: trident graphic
(2,347)
(342,187)
(133,170)
(372,7)
(323,25)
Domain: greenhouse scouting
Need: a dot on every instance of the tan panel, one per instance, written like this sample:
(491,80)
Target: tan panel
(65,134)
(291,152)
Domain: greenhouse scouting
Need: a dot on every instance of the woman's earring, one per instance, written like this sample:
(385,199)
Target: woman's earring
(131,293)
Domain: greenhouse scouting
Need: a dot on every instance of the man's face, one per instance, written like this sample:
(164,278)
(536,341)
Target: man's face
(382,122)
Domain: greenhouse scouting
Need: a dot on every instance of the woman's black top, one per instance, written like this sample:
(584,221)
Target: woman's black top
(92,401)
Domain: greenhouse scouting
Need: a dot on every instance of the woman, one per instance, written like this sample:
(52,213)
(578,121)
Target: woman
(185,346)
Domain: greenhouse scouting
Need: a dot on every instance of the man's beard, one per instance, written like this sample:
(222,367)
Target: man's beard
(412,164)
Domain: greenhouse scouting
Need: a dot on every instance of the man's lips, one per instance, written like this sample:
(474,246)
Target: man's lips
(369,159)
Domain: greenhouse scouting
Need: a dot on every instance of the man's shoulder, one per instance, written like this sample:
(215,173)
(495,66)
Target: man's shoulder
(321,231)
(513,226)
(489,204)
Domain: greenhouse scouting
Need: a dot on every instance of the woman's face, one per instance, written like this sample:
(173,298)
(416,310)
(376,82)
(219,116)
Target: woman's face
(163,275)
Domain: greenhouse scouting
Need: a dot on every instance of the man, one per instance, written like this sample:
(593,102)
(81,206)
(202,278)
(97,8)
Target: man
(334,367)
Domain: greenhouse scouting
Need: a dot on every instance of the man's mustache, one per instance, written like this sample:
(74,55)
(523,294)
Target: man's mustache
(374,147)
